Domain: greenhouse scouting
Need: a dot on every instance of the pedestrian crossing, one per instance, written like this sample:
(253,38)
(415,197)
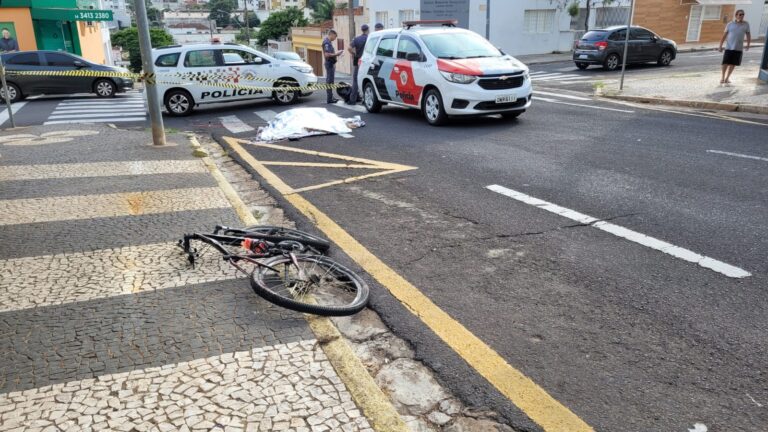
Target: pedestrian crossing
(565,78)
(130,107)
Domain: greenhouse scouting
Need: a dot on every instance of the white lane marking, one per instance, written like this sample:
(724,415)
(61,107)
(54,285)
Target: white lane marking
(266,115)
(102,105)
(356,108)
(633,236)
(581,105)
(346,135)
(698,427)
(138,110)
(545,75)
(738,155)
(556,78)
(564,96)
(15,107)
(234,124)
(56,116)
(99,120)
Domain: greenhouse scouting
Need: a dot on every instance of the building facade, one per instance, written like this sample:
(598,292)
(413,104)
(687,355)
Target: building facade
(60,25)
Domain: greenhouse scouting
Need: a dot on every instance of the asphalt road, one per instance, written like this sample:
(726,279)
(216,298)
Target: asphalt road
(628,337)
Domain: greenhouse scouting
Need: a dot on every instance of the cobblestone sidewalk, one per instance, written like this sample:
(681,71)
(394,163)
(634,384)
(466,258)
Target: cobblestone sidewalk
(103,326)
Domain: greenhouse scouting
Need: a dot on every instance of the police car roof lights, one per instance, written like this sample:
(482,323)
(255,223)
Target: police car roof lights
(444,23)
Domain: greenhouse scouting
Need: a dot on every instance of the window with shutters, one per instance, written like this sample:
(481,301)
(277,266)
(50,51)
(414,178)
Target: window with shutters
(712,12)
(383,17)
(407,15)
(539,21)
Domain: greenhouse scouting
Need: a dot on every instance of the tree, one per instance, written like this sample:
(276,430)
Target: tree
(323,10)
(572,6)
(129,40)
(221,11)
(253,20)
(280,23)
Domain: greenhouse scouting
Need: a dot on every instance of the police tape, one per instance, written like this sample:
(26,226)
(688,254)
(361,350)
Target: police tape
(232,74)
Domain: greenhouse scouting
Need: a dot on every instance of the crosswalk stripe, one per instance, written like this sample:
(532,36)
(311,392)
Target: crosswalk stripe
(234,124)
(99,120)
(35,210)
(56,116)
(102,105)
(100,169)
(15,107)
(578,98)
(136,110)
(266,115)
(80,276)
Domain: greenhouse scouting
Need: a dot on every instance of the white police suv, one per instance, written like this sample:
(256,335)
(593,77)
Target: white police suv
(443,71)
(198,74)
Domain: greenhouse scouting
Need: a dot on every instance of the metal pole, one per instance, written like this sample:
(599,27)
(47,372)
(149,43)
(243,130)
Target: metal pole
(488,19)
(626,43)
(145,45)
(351,10)
(5,92)
(247,30)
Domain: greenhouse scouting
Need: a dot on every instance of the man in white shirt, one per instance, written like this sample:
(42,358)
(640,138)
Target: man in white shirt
(733,37)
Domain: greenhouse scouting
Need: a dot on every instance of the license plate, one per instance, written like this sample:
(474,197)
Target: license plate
(583,56)
(505,99)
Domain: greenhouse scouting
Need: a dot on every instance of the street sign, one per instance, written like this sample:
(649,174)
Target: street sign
(72,14)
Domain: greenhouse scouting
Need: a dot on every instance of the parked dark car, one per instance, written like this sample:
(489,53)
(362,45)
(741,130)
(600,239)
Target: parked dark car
(21,86)
(606,47)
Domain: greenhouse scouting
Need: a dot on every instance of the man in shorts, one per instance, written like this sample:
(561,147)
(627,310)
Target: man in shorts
(733,37)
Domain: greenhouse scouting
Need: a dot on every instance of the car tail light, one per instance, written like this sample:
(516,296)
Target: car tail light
(601,45)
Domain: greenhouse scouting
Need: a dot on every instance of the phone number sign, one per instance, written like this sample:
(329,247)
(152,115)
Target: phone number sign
(91,15)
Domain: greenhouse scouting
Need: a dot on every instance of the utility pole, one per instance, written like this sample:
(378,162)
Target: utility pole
(351,10)
(626,43)
(247,30)
(488,19)
(145,45)
(5,92)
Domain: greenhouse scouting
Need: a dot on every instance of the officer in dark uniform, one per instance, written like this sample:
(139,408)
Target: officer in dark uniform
(356,49)
(330,54)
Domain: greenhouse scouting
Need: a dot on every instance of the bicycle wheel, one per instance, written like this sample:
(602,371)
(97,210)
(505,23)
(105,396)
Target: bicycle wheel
(277,234)
(314,284)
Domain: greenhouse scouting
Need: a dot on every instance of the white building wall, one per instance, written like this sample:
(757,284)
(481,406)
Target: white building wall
(392,9)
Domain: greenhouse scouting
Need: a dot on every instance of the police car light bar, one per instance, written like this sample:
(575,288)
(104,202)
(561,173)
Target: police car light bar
(445,23)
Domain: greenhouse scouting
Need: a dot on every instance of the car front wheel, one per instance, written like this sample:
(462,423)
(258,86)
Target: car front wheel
(14,93)
(179,103)
(665,58)
(370,100)
(433,108)
(611,62)
(105,88)
(283,96)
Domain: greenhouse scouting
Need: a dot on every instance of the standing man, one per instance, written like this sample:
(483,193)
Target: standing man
(734,45)
(7,43)
(356,49)
(330,54)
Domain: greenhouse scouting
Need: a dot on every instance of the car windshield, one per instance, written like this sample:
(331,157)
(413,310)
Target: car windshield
(459,46)
(594,35)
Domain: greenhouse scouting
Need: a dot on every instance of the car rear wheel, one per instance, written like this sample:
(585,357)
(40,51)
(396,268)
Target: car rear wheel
(370,100)
(283,96)
(611,62)
(104,88)
(14,93)
(665,58)
(582,65)
(179,103)
(433,108)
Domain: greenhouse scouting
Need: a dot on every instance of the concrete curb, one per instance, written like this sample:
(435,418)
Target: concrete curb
(374,404)
(568,57)
(721,106)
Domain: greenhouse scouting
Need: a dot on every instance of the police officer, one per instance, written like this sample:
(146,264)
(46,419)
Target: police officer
(330,54)
(356,49)
(378,27)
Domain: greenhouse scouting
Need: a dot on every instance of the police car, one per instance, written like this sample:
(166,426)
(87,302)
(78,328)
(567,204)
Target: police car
(199,74)
(443,71)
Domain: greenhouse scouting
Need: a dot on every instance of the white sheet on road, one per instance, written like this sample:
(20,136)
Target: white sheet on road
(303,122)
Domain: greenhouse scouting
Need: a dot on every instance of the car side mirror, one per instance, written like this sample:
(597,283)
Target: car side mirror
(79,64)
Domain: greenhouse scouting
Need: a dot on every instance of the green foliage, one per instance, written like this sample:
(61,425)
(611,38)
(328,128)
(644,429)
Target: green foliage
(573,9)
(221,11)
(323,10)
(253,21)
(129,39)
(279,24)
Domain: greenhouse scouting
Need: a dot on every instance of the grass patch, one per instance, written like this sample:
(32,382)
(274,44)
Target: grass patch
(171,130)
(200,153)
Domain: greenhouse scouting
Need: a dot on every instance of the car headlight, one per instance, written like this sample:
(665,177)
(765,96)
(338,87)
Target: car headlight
(303,69)
(458,78)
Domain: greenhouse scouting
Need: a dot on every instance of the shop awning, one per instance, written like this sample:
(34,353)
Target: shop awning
(71,14)
(723,2)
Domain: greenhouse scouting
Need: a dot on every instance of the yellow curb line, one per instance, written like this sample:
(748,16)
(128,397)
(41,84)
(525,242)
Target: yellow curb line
(533,400)
(366,393)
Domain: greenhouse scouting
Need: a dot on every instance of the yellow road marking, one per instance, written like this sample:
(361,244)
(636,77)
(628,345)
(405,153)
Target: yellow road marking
(534,401)
(261,166)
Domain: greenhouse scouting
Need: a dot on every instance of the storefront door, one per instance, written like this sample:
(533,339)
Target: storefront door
(54,35)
